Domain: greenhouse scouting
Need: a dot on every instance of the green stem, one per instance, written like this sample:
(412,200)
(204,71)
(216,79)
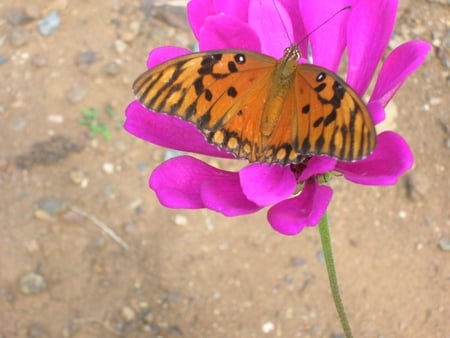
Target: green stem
(329,261)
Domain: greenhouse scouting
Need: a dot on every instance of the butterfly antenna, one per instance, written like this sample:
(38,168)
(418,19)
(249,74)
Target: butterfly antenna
(281,19)
(324,23)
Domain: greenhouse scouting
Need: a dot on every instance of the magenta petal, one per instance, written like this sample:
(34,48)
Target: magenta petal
(392,157)
(224,194)
(401,62)
(224,32)
(377,111)
(317,165)
(178,181)
(265,185)
(238,9)
(369,30)
(197,12)
(162,54)
(290,216)
(273,24)
(168,131)
(328,41)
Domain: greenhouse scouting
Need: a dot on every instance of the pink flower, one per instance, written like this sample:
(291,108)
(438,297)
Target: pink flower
(269,27)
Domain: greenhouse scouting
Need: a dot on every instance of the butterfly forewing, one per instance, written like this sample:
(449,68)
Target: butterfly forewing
(229,94)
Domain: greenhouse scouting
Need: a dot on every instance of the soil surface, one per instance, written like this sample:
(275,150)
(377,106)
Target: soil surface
(86,250)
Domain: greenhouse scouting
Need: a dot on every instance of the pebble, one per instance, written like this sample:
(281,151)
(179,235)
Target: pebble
(444,244)
(3,59)
(298,261)
(86,58)
(268,327)
(79,177)
(53,118)
(120,46)
(18,37)
(180,220)
(112,68)
(32,283)
(170,153)
(128,314)
(447,143)
(76,93)
(108,168)
(50,205)
(49,24)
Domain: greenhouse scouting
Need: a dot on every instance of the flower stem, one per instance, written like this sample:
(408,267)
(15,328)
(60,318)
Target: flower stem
(329,261)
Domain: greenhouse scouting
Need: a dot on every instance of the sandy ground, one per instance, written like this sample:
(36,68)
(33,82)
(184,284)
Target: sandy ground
(178,273)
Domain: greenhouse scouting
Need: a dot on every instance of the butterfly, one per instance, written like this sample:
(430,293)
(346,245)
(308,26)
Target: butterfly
(260,108)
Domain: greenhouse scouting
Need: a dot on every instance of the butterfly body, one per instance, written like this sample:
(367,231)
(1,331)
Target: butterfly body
(260,108)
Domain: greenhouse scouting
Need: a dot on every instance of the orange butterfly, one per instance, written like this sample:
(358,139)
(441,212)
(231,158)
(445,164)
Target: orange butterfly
(260,108)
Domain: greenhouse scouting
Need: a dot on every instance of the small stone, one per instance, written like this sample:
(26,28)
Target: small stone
(18,37)
(268,327)
(170,153)
(444,244)
(76,93)
(108,168)
(43,216)
(32,283)
(58,119)
(3,59)
(180,220)
(120,46)
(298,261)
(49,24)
(112,68)
(86,58)
(50,205)
(79,177)
(434,101)
(128,314)
(402,214)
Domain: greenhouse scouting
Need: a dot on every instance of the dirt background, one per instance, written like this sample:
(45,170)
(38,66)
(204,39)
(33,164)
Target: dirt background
(178,273)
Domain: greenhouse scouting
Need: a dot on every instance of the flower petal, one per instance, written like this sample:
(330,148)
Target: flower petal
(391,158)
(397,67)
(328,38)
(162,54)
(317,165)
(197,12)
(177,182)
(272,24)
(265,185)
(226,31)
(368,32)
(225,195)
(186,182)
(168,131)
(290,216)
(377,111)
(239,9)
